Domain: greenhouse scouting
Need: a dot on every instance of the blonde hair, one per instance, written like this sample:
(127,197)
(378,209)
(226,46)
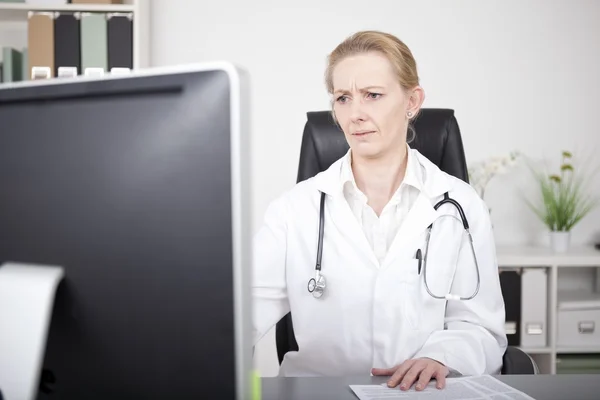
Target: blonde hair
(390,46)
(397,53)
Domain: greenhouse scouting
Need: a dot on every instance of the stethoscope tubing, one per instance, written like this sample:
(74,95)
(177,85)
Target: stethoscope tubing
(317,285)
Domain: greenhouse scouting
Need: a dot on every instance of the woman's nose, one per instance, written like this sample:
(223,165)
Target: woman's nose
(357,112)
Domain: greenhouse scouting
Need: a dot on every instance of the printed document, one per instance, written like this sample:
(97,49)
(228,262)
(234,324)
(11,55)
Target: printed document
(463,388)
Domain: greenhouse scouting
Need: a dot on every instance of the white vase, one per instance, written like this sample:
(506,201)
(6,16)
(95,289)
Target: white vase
(560,241)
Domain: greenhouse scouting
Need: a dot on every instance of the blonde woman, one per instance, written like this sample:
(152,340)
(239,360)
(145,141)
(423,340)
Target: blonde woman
(368,310)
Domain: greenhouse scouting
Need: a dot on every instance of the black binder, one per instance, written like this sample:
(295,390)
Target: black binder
(510,284)
(67,41)
(120,40)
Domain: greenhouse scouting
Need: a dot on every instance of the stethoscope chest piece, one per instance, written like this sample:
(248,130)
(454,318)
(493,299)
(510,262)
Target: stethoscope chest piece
(316,285)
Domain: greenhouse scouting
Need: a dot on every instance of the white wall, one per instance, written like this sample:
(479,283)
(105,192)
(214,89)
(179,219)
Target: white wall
(520,74)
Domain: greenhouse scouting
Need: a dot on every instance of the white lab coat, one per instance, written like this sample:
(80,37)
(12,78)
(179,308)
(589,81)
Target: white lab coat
(375,315)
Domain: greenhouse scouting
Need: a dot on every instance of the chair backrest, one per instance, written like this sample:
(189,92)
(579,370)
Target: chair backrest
(323,142)
(437,138)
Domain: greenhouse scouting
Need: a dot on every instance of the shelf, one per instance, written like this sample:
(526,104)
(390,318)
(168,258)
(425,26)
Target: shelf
(536,350)
(577,350)
(14,23)
(572,300)
(523,256)
(18,11)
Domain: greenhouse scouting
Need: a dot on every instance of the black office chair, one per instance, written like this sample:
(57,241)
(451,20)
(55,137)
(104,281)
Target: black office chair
(437,138)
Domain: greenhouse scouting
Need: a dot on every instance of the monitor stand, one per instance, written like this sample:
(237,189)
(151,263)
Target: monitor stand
(27,295)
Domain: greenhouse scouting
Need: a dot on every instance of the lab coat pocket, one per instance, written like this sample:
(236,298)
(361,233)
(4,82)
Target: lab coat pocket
(406,279)
(409,270)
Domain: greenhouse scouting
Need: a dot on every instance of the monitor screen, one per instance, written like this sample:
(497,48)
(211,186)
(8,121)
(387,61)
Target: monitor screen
(135,186)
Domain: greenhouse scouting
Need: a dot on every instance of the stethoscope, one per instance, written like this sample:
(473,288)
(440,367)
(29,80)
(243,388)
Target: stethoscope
(317,285)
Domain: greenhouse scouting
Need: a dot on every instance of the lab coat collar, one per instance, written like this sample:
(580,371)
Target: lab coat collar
(423,174)
(412,177)
(433,183)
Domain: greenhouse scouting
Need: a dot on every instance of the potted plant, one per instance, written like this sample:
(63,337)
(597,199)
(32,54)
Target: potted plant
(564,201)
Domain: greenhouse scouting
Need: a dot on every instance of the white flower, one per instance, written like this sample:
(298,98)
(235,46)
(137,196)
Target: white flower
(481,173)
(492,167)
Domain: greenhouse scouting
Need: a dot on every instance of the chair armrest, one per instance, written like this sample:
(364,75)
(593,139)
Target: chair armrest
(516,362)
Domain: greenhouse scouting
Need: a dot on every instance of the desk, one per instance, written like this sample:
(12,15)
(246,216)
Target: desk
(552,387)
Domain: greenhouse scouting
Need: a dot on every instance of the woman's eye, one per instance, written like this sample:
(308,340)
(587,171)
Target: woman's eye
(342,99)
(374,96)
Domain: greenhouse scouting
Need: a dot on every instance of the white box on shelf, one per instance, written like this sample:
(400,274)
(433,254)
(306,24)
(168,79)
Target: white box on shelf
(578,319)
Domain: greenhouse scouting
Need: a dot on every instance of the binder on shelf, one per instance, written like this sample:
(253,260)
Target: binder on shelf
(120,71)
(94,41)
(510,284)
(47,2)
(67,41)
(40,41)
(12,62)
(120,40)
(67,72)
(96,72)
(41,73)
(97,1)
(25,75)
(534,300)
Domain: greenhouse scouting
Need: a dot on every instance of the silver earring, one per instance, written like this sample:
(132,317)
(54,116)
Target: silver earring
(409,114)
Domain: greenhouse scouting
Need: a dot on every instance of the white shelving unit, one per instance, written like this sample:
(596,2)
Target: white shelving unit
(13,23)
(17,10)
(576,270)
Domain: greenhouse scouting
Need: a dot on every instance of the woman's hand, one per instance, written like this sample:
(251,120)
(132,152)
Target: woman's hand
(420,370)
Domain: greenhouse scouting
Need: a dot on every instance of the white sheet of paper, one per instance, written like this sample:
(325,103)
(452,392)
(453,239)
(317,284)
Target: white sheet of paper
(483,387)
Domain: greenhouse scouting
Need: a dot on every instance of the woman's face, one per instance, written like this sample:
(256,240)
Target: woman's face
(371,106)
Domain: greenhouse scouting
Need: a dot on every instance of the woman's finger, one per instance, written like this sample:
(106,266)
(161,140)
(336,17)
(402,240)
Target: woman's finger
(440,377)
(412,374)
(425,377)
(383,371)
(400,372)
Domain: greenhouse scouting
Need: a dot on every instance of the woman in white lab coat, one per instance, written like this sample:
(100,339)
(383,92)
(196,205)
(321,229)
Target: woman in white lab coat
(376,315)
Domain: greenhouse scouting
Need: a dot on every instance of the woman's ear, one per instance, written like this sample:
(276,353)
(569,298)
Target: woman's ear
(415,101)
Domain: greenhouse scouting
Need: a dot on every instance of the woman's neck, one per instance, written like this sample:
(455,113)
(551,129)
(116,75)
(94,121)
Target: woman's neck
(379,178)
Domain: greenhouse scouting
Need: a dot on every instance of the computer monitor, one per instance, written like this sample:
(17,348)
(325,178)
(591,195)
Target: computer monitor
(137,186)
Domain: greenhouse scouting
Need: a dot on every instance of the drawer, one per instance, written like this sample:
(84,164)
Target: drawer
(578,328)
